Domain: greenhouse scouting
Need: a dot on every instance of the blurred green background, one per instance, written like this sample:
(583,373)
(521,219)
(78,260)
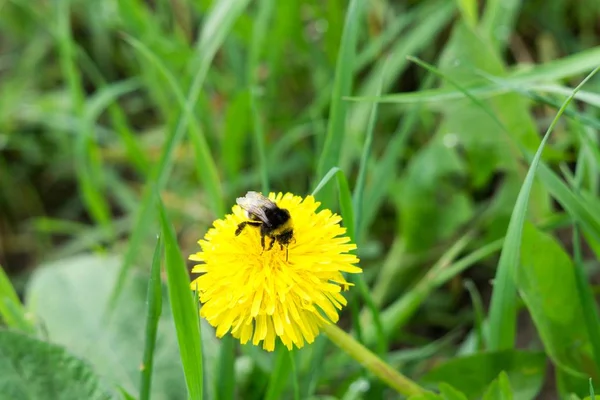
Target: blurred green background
(106,104)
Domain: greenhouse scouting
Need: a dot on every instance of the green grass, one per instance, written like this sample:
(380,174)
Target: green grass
(457,140)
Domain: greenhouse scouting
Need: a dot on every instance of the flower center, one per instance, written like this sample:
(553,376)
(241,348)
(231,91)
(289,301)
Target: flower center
(275,258)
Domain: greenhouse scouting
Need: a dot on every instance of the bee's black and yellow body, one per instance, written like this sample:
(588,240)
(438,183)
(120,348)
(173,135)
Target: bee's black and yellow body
(274,222)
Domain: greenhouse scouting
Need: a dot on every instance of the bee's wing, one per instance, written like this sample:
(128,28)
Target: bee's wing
(255,204)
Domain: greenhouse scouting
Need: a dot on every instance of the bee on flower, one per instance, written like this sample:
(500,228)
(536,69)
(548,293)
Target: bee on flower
(273,268)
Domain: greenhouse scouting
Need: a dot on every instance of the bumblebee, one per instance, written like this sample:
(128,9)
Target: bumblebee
(274,222)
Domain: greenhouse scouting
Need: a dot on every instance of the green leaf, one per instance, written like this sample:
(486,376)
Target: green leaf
(546,282)
(32,369)
(68,298)
(499,389)
(472,374)
(184,310)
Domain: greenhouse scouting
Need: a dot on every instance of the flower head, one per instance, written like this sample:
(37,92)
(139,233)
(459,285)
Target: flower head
(287,291)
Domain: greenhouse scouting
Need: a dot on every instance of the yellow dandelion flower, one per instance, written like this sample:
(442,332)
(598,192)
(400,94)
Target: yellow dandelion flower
(285,291)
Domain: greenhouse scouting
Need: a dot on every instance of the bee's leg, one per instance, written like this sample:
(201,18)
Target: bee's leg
(272,243)
(286,253)
(242,225)
(240,228)
(262,240)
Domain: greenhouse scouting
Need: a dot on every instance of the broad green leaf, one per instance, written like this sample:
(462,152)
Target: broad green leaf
(546,282)
(32,369)
(472,374)
(68,298)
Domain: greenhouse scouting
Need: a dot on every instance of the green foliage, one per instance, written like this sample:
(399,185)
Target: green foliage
(24,365)
(479,236)
(472,374)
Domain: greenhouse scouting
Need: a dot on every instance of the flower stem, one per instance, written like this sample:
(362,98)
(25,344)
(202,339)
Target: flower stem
(383,371)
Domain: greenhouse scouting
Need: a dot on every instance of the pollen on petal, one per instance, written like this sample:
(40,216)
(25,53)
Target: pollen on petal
(286,292)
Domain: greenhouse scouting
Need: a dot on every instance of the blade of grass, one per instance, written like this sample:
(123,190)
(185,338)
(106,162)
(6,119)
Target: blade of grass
(87,162)
(498,20)
(330,174)
(294,373)
(11,310)
(361,179)
(106,97)
(503,312)
(528,92)
(205,166)
(572,202)
(342,86)
(433,18)
(153,312)
(395,316)
(551,71)
(469,10)
(217,24)
(280,374)
(259,33)
(384,171)
(259,141)
(586,297)
(183,309)
(225,381)
(584,290)
(374,48)
(345,202)
(316,366)
(479,312)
